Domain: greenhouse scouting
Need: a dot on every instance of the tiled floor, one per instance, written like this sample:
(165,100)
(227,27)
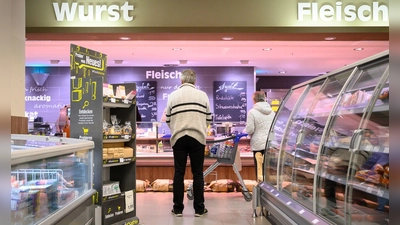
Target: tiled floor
(154,208)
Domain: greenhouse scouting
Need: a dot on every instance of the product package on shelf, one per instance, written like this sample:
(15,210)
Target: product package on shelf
(111,188)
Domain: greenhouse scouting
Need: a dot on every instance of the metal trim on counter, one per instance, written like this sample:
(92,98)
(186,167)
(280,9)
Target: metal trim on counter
(286,209)
(166,159)
(56,216)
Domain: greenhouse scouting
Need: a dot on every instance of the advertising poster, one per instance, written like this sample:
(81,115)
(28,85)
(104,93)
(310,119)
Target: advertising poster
(87,63)
(88,69)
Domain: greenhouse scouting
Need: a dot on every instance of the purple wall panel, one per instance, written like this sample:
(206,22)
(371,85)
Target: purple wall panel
(54,93)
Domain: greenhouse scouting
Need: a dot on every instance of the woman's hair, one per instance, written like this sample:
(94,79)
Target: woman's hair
(259,96)
(188,76)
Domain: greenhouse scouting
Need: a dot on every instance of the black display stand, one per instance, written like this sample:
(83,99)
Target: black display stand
(121,169)
(88,110)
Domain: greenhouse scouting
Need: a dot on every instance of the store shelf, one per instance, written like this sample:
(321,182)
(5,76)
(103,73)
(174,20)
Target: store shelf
(116,103)
(117,162)
(362,186)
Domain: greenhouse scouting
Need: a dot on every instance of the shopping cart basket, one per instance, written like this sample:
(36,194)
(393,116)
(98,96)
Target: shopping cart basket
(224,150)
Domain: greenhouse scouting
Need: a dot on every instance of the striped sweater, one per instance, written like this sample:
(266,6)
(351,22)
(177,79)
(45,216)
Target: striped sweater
(188,113)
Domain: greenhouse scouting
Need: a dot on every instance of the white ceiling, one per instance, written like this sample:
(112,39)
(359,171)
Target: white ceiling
(297,58)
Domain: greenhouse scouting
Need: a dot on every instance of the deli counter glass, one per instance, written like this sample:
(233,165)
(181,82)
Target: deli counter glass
(328,149)
(51,180)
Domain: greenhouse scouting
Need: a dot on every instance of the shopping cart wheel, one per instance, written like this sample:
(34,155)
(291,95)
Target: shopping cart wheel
(247,196)
(189,194)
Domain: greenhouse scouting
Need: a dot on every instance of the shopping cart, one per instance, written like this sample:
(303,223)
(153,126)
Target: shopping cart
(224,150)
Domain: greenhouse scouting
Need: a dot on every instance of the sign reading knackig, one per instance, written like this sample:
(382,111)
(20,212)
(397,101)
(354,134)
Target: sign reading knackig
(92,12)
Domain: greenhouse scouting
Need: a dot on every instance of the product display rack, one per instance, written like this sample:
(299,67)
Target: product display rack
(115,207)
(327,152)
(114,160)
(51,180)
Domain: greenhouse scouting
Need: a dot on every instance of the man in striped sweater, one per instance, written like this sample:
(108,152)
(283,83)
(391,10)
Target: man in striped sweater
(188,115)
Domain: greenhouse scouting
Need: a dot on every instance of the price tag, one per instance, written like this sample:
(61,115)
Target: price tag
(332,177)
(121,160)
(112,100)
(369,189)
(129,206)
(380,192)
(301,211)
(315,221)
(288,203)
(277,194)
(272,190)
(126,101)
(324,174)
(126,136)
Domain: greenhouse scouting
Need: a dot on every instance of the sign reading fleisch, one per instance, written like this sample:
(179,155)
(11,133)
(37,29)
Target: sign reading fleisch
(146,100)
(230,101)
(87,63)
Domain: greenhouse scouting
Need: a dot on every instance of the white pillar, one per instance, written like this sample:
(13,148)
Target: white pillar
(12,88)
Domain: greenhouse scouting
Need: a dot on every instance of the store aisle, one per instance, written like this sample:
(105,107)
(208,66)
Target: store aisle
(154,208)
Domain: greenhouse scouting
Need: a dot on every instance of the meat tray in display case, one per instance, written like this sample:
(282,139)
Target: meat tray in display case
(51,180)
(327,154)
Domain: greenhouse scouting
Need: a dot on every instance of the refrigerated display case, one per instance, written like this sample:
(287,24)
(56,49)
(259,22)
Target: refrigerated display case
(327,154)
(51,180)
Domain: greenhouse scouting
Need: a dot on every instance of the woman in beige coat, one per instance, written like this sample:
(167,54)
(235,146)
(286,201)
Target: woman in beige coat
(259,120)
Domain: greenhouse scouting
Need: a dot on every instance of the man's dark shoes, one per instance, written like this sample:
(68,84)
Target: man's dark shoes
(201,214)
(175,213)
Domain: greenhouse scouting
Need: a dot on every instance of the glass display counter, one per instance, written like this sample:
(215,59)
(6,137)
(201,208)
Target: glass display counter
(328,152)
(153,146)
(51,180)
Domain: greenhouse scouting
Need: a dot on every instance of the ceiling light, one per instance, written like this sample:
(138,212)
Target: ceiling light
(182,61)
(282,71)
(54,61)
(176,49)
(118,61)
(124,38)
(267,49)
(171,65)
(330,38)
(358,49)
(244,61)
(227,38)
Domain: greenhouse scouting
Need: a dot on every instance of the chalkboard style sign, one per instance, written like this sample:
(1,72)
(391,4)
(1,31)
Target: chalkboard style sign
(230,101)
(146,99)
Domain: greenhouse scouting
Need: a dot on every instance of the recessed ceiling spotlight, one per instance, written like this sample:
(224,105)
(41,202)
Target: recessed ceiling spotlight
(227,38)
(358,49)
(118,61)
(124,38)
(282,71)
(176,49)
(182,61)
(54,61)
(330,38)
(267,49)
(244,62)
(170,65)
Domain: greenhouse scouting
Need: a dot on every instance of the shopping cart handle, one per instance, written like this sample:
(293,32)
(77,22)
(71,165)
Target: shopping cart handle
(239,135)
